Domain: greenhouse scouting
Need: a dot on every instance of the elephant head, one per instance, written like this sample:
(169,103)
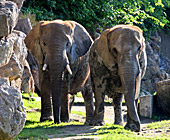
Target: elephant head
(123,47)
(126,44)
(56,45)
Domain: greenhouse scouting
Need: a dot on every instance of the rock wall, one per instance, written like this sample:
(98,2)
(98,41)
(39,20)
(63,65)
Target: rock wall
(8,16)
(165,43)
(13,53)
(163,95)
(12,113)
(157,67)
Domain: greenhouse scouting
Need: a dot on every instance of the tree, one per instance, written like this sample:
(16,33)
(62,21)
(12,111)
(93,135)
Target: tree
(149,15)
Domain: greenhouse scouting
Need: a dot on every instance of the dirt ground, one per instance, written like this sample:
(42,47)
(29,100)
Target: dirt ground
(82,131)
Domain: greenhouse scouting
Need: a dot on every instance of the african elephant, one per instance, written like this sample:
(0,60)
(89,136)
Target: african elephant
(61,49)
(117,64)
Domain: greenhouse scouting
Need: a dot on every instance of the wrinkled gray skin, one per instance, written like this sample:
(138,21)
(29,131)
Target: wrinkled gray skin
(117,63)
(57,44)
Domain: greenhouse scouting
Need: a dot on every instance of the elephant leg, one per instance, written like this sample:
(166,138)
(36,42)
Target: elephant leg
(64,116)
(133,121)
(88,101)
(99,88)
(117,104)
(71,102)
(46,109)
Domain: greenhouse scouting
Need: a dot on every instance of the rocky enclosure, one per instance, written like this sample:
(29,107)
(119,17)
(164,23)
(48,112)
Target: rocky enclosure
(13,55)
(19,70)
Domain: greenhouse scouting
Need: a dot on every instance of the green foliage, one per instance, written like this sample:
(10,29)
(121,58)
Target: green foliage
(147,14)
(44,10)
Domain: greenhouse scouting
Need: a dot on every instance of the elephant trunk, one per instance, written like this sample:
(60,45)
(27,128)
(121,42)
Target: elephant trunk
(56,67)
(129,74)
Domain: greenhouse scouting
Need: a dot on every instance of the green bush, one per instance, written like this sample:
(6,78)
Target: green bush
(149,15)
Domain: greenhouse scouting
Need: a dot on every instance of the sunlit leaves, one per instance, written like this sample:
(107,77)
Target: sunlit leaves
(149,15)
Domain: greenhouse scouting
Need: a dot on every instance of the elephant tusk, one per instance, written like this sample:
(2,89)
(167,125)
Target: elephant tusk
(69,69)
(44,67)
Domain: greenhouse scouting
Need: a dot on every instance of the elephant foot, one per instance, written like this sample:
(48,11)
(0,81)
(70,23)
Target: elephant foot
(133,126)
(49,118)
(65,120)
(119,123)
(65,117)
(97,123)
(87,122)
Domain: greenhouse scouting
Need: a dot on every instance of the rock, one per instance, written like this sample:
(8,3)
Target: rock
(13,69)
(144,93)
(163,95)
(23,25)
(15,66)
(165,63)
(16,83)
(8,17)
(154,73)
(12,112)
(4,28)
(27,84)
(20,49)
(18,2)
(146,106)
(165,41)
(6,49)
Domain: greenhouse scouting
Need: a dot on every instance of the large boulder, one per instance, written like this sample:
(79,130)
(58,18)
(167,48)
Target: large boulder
(18,2)
(8,17)
(12,113)
(6,49)
(14,68)
(23,25)
(163,95)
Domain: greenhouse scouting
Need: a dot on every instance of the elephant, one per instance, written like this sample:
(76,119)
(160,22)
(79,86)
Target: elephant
(117,64)
(61,49)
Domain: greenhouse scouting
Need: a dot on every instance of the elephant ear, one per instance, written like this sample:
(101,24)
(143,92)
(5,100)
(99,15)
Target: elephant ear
(81,42)
(102,48)
(32,42)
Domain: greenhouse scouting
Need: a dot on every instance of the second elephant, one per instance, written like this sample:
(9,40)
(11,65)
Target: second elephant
(59,45)
(117,64)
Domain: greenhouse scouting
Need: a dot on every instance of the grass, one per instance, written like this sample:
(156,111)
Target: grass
(79,94)
(78,113)
(34,130)
(114,132)
(159,125)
